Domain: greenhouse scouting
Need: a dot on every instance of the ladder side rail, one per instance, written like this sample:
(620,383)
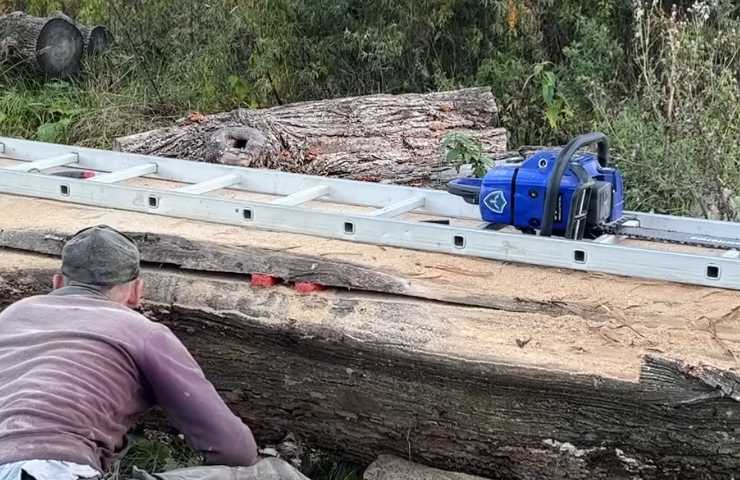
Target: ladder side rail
(716,271)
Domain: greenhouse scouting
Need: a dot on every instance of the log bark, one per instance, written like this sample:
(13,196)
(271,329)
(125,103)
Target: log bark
(368,375)
(383,138)
(51,45)
(388,467)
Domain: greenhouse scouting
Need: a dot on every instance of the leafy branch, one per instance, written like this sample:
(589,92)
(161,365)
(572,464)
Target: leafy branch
(462,150)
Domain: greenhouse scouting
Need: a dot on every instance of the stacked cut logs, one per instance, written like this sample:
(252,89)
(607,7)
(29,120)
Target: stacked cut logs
(53,45)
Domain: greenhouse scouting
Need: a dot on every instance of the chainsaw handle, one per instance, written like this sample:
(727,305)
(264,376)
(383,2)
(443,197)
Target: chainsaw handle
(467,188)
(561,165)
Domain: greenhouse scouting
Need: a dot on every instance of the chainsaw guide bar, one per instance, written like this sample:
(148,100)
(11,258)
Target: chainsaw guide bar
(676,238)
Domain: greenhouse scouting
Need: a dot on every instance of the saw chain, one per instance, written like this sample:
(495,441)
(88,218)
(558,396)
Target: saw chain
(667,236)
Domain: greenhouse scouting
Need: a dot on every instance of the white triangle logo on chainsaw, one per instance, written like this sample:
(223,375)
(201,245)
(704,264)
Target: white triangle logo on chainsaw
(496,201)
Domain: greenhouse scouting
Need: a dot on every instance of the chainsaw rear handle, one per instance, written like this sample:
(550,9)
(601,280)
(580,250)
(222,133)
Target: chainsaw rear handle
(561,165)
(467,188)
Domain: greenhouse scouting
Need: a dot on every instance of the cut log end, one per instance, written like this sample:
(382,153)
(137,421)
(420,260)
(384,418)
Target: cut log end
(59,48)
(99,41)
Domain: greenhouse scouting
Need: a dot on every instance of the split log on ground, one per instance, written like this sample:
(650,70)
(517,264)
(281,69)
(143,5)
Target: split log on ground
(384,138)
(368,374)
(52,45)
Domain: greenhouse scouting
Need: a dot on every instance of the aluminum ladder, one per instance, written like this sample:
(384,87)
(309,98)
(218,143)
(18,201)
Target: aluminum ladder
(380,224)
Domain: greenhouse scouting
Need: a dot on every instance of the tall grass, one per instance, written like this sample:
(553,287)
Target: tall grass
(678,135)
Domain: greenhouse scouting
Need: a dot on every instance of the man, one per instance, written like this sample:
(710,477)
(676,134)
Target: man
(77,365)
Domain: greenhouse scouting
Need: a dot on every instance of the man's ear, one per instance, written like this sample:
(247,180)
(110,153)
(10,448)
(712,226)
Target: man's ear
(57,281)
(136,291)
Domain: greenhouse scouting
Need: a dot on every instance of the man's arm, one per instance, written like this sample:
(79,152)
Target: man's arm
(192,403)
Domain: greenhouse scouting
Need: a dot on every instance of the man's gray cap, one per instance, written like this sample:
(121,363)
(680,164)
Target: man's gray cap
(100,256)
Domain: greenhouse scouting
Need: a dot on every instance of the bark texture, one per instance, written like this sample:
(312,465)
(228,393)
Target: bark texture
(383,138)
(358,374)
(388,467)
(51,45)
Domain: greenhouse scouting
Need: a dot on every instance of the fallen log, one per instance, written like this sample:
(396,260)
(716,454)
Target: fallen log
(383,138)
(367,375)
(51,45)
(623,311)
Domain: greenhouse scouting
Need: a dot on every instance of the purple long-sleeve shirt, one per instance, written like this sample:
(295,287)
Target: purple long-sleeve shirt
(76,369)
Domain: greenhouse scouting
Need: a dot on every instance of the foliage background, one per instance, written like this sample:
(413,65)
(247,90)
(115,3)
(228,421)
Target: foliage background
(659,77)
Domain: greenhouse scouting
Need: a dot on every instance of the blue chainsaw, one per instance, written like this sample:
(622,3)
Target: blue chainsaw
(567,192)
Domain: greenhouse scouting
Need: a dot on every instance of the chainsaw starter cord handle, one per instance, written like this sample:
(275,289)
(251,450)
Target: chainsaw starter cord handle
(561,165)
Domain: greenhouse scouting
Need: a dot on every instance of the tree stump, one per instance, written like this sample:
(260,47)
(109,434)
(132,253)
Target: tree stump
(52,45)
(383,138)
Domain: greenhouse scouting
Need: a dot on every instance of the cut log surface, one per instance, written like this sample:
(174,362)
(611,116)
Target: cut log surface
(367,374)
(51,45)
(97,38)
(383,138)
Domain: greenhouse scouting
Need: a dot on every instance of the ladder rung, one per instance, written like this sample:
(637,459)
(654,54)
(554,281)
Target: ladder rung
(608,239)
(126,174)
(302,196)
(399,208)
(45,163)
(210,185)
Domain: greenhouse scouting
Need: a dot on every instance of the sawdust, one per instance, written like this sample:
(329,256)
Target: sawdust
(617,319)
